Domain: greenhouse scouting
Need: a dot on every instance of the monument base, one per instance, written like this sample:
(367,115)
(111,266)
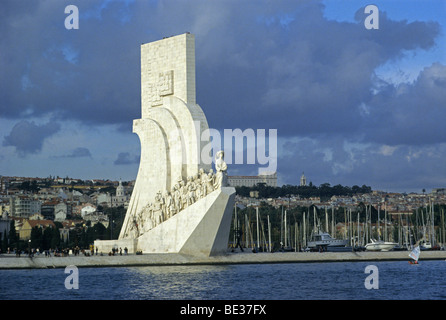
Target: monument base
(200,229)
(107,246)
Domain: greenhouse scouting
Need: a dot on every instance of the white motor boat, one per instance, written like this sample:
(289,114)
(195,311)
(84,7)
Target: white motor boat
(380,245)
(323,239)
(425,245)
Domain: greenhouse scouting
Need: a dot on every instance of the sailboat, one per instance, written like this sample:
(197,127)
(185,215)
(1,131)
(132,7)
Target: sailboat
(415,255)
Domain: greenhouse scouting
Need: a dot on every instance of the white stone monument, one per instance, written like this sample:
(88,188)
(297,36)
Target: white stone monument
(178,204)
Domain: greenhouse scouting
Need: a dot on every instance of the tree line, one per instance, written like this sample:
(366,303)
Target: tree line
(324,191)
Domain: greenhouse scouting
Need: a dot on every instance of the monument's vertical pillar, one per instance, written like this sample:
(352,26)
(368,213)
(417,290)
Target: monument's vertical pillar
(171,124)
(167,69)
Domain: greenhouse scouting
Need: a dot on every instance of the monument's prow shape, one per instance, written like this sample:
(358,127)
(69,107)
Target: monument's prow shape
(178,203)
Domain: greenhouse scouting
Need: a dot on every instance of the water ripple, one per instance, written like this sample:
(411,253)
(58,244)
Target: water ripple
(294,281)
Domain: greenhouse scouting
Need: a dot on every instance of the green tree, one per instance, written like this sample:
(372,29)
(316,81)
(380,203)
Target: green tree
(99,231)
(50,238)
(4,242)
(36,237)
(116,217)
(55,238)
(12,236)
(29,186)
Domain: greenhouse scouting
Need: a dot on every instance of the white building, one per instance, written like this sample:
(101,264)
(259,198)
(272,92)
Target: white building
(23,206)
(87,209)
(252,181)
(119,199)
(61,211)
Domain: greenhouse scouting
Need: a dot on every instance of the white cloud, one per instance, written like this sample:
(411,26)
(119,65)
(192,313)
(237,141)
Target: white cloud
(387,150)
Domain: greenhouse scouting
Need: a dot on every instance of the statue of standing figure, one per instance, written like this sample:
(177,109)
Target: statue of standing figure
(191,189)
(157,210)
(221,176)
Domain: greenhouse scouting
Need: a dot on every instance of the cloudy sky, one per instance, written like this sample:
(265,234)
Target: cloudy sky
(350,105)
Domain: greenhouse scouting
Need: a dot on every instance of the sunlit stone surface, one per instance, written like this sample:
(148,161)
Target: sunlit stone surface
(179,204)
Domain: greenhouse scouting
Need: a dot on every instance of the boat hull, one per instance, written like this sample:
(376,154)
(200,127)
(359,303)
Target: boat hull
(327,243)
(380,246)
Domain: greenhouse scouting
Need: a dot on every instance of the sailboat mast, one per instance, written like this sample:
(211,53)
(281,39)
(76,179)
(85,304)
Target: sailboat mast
(442,226)
(246,231)
(366,224)
(285,226)
(432,224)
(235,224)
(305,231)
(379,226)
(269,235)
(326,219)
(345,224)
(295,236)
(281,228)
(258,233)
(314,219)
(358,232)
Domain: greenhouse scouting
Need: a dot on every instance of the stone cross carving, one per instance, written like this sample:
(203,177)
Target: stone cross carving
(163,87)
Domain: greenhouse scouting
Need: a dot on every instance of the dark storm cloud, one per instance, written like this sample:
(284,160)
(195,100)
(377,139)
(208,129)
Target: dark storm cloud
(124,158)
(410,114)
(260,64)
(79,152)
(275,64)
(309,77)
(90,74)
(28,137)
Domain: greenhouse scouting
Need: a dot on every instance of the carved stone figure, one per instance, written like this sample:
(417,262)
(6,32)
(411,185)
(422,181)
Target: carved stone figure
(177,198)
(134,229)
(210,181)
(157,210)
(167,204)
(191,191)
(221,177)
(183,193)
(147,216)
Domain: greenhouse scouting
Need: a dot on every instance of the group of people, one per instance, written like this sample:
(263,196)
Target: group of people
(65,252)
(182,195)
(115,251)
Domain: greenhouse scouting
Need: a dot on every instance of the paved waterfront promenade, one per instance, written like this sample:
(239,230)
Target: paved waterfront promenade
(24,262)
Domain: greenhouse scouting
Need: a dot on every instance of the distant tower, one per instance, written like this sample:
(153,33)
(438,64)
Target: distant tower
(303,180)
(120,190)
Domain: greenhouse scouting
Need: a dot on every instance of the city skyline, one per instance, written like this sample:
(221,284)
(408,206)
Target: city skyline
(351,106)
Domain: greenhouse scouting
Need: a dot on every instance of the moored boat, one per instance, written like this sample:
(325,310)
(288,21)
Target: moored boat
(324,239)
(380,245)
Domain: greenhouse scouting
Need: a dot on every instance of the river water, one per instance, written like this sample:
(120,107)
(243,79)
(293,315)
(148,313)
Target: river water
(396,280)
